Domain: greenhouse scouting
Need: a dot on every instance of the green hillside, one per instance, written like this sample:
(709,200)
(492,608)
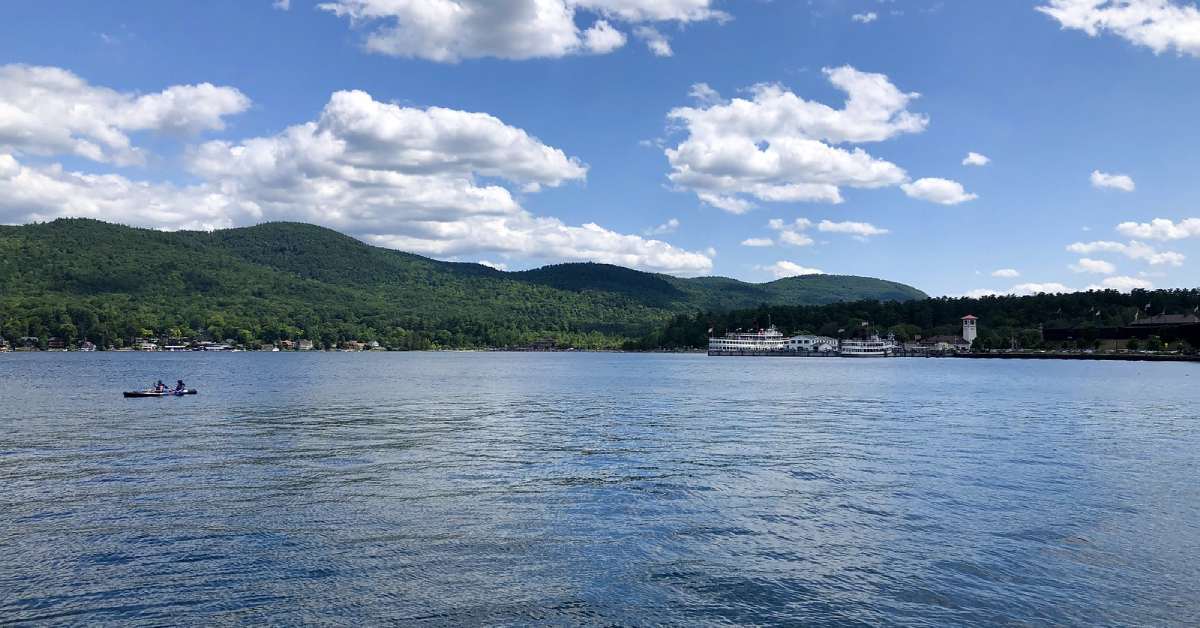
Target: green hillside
(88,279)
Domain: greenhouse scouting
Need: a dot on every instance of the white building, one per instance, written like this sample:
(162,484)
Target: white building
(812,343)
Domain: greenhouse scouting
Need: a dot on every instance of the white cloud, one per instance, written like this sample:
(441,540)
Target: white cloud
(935,190)
(50,111)
(975,159)
(602,38)
(1122,284)
(1023,289)
(1159,25)
(784,268)
(432,181)
(861,230)
(655,41)
(778,147)
(668,227)
(792,233)
(35,194)
(282,5)
(1006,273)
(1113,181)
(865,18)
(452,30)
(1134,250)
(495,265)
(704,94)
(795,238)
(758,242)
(1094,266)
(1039,288)
(1161,229)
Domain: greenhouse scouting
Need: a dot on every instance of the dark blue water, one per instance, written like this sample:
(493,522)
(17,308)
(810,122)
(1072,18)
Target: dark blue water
(361,489)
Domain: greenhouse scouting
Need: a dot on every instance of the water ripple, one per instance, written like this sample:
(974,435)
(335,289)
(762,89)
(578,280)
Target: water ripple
(555,489)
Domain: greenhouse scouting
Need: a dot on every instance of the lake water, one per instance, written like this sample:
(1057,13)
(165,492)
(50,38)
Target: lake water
(492,488)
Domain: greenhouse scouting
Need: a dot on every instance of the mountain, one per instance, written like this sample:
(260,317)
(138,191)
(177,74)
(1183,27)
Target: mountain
(79,278)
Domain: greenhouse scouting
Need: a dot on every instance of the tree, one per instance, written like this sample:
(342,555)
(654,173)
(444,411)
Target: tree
(1133,344)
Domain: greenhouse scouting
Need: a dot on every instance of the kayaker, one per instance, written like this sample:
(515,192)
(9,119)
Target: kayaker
(160,387)
(179,387)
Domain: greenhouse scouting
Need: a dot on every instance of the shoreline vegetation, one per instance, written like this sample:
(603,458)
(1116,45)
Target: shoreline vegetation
(78,279)
(85,284)
(1115,356)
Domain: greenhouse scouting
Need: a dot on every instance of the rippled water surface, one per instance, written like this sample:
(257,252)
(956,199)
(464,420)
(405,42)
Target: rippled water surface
(457,488)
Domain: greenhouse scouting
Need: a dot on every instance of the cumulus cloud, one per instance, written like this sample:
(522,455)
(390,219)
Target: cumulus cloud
(1159,25)
(602,38)
(1161,229)
(1133,250)
(975,159)
(1094,266)
(778,147)
(784,268)
(41,193)
(50,111)
(668,227)
(1112,181)
(704,94)
(792,233)
(1006,273)
(1039,288)
(758,242)
(453,30)
(860,230)
(1122,284)
(282,5)
(1023,289)
(433,181)
(865,18)
(941,191)
(655,41)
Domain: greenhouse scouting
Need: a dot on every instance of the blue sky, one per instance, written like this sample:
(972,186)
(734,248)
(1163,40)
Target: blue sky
(522,138)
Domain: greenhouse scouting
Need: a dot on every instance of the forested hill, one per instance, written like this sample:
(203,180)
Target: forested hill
(81,278)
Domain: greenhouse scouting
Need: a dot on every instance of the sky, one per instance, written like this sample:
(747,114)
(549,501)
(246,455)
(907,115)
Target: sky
(965,147)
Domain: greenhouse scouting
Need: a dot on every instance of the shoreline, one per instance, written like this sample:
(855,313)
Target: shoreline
(1101,357)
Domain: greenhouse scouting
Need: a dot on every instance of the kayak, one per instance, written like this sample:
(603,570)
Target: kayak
(151,393)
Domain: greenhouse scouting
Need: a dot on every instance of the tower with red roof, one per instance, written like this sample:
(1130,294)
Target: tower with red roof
(969,331)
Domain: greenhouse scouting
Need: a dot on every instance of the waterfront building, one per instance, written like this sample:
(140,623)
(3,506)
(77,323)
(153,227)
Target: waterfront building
(945,344)
(818,344)
(304,345)
(1166,320)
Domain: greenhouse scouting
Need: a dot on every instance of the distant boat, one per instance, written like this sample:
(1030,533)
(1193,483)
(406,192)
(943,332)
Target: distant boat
(763,340)
(151,393)
(873,347)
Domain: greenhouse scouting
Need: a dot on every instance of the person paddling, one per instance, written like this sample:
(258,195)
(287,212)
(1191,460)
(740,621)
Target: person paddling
(160,387)
(179,387)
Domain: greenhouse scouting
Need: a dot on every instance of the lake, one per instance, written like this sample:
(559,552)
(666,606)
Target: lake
(597,489)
